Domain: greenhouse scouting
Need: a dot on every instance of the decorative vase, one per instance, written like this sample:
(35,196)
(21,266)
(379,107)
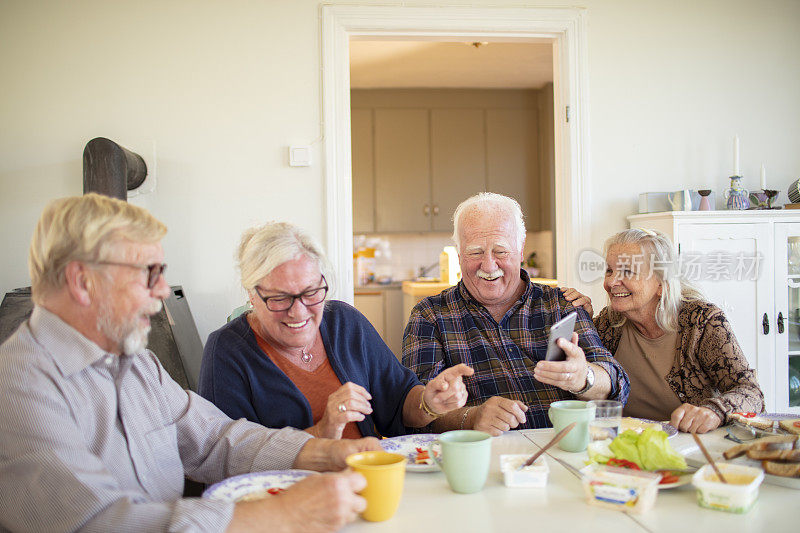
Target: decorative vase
(736,195)
(704,203)
(771,195)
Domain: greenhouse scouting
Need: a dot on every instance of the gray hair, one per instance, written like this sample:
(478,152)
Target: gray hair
(660,254)
(488,202)
(87,229)
(264,248)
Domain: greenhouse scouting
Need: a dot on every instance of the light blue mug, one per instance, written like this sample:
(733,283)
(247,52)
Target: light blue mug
(465,458)
(565,412)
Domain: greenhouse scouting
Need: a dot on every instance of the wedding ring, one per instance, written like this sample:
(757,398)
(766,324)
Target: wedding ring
(342,408)
(568,376)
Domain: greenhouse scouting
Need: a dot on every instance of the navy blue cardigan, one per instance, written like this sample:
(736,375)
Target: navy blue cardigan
(240,379)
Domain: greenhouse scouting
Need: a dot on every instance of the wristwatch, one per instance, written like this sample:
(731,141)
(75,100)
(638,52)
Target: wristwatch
(589,381)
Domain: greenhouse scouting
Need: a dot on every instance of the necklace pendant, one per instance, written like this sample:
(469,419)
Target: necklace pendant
(306,357)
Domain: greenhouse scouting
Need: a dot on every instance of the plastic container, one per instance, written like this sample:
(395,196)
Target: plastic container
(621,489)
(736,496)
(534,475)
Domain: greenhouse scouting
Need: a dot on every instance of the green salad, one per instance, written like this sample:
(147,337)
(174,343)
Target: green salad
(648,450)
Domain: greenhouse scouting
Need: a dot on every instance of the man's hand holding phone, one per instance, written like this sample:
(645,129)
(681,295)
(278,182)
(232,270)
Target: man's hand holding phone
(565,364)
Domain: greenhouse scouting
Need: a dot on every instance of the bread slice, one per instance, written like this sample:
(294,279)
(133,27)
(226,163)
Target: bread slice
(781,469)
(792,425)
(779,442)
(753,420)
(790,456)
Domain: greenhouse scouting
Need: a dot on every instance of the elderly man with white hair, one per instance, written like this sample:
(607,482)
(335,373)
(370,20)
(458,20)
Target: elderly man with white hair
(97,437)
(497,321)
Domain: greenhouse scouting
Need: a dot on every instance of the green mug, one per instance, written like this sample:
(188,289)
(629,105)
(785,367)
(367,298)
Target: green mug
(564,413)
(465,458)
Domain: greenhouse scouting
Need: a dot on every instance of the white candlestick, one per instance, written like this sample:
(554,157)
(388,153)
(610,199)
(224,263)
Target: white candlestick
(735,155)
(763,178)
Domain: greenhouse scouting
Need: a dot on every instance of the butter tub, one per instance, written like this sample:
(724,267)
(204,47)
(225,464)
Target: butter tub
(621,489)
(534,475)
(736,496)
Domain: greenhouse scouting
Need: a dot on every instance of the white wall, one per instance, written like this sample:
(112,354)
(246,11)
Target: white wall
(224,87)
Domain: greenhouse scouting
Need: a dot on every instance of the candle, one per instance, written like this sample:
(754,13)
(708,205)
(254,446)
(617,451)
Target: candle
(735,155)
(763,178)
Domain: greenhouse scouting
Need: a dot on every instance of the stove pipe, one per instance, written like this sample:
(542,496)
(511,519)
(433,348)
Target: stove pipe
(110,169)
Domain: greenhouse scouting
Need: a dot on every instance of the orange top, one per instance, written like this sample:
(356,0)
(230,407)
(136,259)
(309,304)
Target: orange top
(316,385)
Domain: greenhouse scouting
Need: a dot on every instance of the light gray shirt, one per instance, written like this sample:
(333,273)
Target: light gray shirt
(98,442)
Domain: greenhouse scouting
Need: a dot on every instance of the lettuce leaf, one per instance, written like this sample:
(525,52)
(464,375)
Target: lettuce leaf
(650,450)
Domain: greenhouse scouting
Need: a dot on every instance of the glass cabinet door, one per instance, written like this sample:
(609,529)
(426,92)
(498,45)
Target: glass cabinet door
(787,316)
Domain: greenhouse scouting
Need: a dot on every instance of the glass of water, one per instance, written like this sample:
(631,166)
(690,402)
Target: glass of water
(607,418)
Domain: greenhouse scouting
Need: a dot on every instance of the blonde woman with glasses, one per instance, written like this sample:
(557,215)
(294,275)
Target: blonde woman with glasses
(678,349)
(298,359)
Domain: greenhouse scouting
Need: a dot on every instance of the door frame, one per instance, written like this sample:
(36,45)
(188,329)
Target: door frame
(565,27)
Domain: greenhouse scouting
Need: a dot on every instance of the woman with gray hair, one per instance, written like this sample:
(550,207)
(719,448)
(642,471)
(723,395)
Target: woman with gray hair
(679,350)
(297,359)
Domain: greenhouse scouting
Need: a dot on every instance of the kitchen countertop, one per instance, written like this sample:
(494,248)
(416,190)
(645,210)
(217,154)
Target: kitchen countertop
(372,287)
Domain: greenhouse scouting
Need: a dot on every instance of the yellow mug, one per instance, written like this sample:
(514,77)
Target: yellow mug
(385,473)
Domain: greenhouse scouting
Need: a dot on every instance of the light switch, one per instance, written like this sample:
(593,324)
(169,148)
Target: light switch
(299,156)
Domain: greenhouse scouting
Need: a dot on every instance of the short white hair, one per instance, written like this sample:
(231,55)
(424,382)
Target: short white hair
(264,248)
(87,229)
(675,289)
(490,202)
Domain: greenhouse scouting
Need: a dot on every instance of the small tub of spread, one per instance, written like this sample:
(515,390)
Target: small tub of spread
(621,489)
(534,475)
(736,496)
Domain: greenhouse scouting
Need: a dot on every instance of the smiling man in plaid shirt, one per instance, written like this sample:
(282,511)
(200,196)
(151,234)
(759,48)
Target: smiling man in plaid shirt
(496,321)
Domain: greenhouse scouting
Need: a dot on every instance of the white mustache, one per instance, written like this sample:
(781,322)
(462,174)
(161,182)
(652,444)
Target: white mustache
(491,275)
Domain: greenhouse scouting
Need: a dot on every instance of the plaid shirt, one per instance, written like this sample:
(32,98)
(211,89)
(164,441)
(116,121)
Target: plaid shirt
(453,328)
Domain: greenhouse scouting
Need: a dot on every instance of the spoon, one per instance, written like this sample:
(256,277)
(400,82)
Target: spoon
(553,441)
(708,457)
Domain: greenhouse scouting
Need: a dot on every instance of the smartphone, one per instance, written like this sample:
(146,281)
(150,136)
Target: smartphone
(560,330)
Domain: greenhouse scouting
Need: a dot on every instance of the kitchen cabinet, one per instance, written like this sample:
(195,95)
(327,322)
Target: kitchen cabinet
(748,264)
(383,307)
(458,162)
(402,170)
(361,122)
(429,150)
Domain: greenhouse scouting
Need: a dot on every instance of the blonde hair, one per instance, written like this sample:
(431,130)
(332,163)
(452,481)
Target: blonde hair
(264,248)
(675,289)
(490,202)
(83,228)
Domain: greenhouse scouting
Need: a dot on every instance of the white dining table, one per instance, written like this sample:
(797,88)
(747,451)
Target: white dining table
(428,503)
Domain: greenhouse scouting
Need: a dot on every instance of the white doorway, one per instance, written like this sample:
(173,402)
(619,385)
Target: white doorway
(565,28)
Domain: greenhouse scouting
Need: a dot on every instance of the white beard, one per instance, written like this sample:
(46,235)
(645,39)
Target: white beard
(128,335)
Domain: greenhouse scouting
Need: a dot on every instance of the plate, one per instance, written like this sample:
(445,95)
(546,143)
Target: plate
(772,416)
(254,485)
(407,445)
(666,427)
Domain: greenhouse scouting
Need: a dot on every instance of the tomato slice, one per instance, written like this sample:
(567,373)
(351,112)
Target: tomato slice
(746,415)
(668,477)
(796,423)
(623,463)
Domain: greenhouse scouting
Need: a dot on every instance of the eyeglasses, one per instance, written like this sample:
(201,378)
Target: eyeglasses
(284,302)
(153,271)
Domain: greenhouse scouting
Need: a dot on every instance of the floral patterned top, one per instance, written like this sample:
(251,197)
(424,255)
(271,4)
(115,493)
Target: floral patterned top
(710,369)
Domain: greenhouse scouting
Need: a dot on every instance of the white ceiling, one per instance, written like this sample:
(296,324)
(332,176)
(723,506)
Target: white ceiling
(406,64)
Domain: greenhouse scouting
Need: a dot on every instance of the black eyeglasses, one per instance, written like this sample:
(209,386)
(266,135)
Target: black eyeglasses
(153,271)
(284,302)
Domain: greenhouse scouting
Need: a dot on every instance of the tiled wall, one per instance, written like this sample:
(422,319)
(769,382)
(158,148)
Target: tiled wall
(413,250)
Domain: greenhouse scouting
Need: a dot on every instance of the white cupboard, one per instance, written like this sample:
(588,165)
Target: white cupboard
(747,263)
